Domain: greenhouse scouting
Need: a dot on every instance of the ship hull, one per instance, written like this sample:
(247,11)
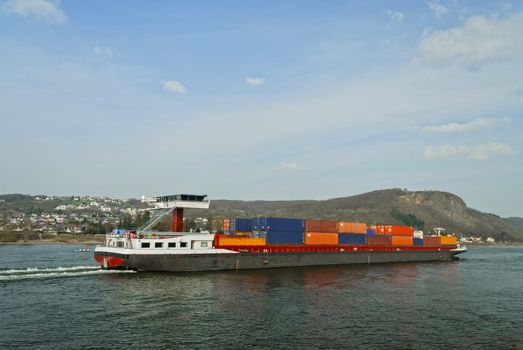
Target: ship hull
(249,260)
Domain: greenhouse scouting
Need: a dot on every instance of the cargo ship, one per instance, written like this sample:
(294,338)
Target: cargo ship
(263,242)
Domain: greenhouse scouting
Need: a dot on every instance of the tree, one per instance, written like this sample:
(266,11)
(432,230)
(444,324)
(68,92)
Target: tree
(408,219)
(210,224)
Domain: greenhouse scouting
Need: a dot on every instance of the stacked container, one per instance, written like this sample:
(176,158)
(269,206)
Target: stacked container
(321,232)
(352,232)
(279,230)
(227,226)
(390,235)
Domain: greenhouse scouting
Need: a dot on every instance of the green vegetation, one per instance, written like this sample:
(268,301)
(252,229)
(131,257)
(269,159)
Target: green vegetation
(408,219)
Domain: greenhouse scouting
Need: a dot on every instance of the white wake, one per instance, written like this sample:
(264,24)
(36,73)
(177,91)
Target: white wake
(54,272)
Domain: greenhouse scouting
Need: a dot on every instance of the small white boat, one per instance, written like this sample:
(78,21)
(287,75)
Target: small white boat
(86,249)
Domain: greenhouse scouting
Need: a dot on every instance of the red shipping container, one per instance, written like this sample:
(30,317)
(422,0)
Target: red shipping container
(394,230)
(321,226)
(379,240)
(321,238)
(352,227)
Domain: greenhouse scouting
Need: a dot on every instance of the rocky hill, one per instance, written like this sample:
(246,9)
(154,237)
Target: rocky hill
(424,209)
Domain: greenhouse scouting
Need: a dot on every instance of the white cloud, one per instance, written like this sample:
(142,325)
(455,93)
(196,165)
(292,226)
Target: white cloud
(174,86)
(396,16)
(475,124)
(291,166)
(480,152)
(104,51)
(437,8)
(254,81)
(478,40)
(48,10)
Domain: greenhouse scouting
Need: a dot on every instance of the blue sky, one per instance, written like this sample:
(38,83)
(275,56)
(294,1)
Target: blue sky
(263,100)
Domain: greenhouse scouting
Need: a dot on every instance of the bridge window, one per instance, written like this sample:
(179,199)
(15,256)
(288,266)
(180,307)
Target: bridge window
(158,244)
(146,245)
(172,244)
(203,245)
(120,244)
(183,244)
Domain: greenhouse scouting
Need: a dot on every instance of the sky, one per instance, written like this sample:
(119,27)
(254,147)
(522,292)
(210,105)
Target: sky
(263,100)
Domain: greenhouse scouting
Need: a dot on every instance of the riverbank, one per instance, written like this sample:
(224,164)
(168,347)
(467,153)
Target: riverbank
(500,244)
(36,238)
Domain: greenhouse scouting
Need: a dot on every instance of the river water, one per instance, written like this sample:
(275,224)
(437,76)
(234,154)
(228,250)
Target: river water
(53,298)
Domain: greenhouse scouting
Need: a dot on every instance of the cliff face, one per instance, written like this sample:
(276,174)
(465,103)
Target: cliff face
(430,208)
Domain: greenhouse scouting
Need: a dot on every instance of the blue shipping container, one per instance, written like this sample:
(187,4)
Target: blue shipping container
(351,238)
(279,224)
(371,232)
(243,225)
(284,237)
(418,242)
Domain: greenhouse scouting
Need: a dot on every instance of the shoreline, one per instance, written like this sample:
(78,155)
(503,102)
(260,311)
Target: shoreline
(44,241)
(31,238)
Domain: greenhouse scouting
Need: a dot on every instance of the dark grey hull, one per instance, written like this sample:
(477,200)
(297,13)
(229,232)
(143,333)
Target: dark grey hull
(210,262)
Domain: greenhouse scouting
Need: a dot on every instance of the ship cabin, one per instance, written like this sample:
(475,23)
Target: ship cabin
(182,197)
(161,242)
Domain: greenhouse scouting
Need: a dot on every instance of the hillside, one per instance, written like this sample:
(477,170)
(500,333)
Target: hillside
(425,209)
(422,209)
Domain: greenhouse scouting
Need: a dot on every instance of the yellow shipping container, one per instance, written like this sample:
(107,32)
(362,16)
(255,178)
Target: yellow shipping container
(451,240)
(241,241)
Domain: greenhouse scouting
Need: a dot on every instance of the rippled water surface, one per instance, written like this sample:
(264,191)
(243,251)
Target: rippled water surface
(53,298)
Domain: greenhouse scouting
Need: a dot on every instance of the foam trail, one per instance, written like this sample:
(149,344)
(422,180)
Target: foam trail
(47,269)
(44,275)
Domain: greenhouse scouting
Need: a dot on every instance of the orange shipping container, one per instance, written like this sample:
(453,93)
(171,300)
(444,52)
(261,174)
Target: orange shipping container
(321,238)
(226,224)
(402,241)
(358,227)
(227,241)
(352,227)
(394,230)
(431,241)
(321,226)
(448,240)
